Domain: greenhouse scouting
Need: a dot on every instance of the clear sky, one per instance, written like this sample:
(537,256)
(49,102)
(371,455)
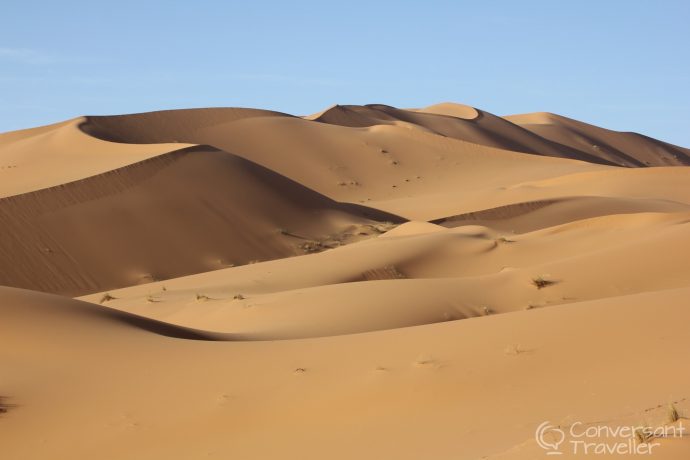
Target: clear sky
(623,65)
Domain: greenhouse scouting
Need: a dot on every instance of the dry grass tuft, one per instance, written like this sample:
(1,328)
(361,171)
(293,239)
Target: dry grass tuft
(4,405)
(425,360)
(107,298)
(642,436)
(351,183)
(382,227)
(148,278)
(541,282)
(311,247)
(389,272)
(286,232)
(514,349)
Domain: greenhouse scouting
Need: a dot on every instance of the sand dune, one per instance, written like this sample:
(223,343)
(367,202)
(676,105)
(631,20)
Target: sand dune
(626,149)
(482,128)
(382,160)
(191,210)
(38,158)
(363,282)
(161,127)
(433,386)
(424,278)
(532,215)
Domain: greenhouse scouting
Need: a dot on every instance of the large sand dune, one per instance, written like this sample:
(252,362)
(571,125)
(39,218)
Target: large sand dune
(364,282)
(187,211)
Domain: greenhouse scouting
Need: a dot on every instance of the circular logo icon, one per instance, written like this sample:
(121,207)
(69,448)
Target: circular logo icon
(549,437)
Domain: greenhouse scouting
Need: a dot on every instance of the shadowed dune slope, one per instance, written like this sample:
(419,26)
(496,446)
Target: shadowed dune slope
(58,317)
(626,149)
(166,125)
(188,211)
(532,215)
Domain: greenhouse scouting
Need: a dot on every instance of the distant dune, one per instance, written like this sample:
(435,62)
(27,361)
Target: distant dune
(364,282)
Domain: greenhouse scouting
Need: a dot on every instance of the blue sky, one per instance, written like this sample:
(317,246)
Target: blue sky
(624,65)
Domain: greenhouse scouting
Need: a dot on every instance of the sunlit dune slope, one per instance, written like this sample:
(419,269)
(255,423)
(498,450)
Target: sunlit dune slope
(85,385)
(426,277)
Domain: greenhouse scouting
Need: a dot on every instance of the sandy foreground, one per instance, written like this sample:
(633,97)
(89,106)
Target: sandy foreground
(365,282)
